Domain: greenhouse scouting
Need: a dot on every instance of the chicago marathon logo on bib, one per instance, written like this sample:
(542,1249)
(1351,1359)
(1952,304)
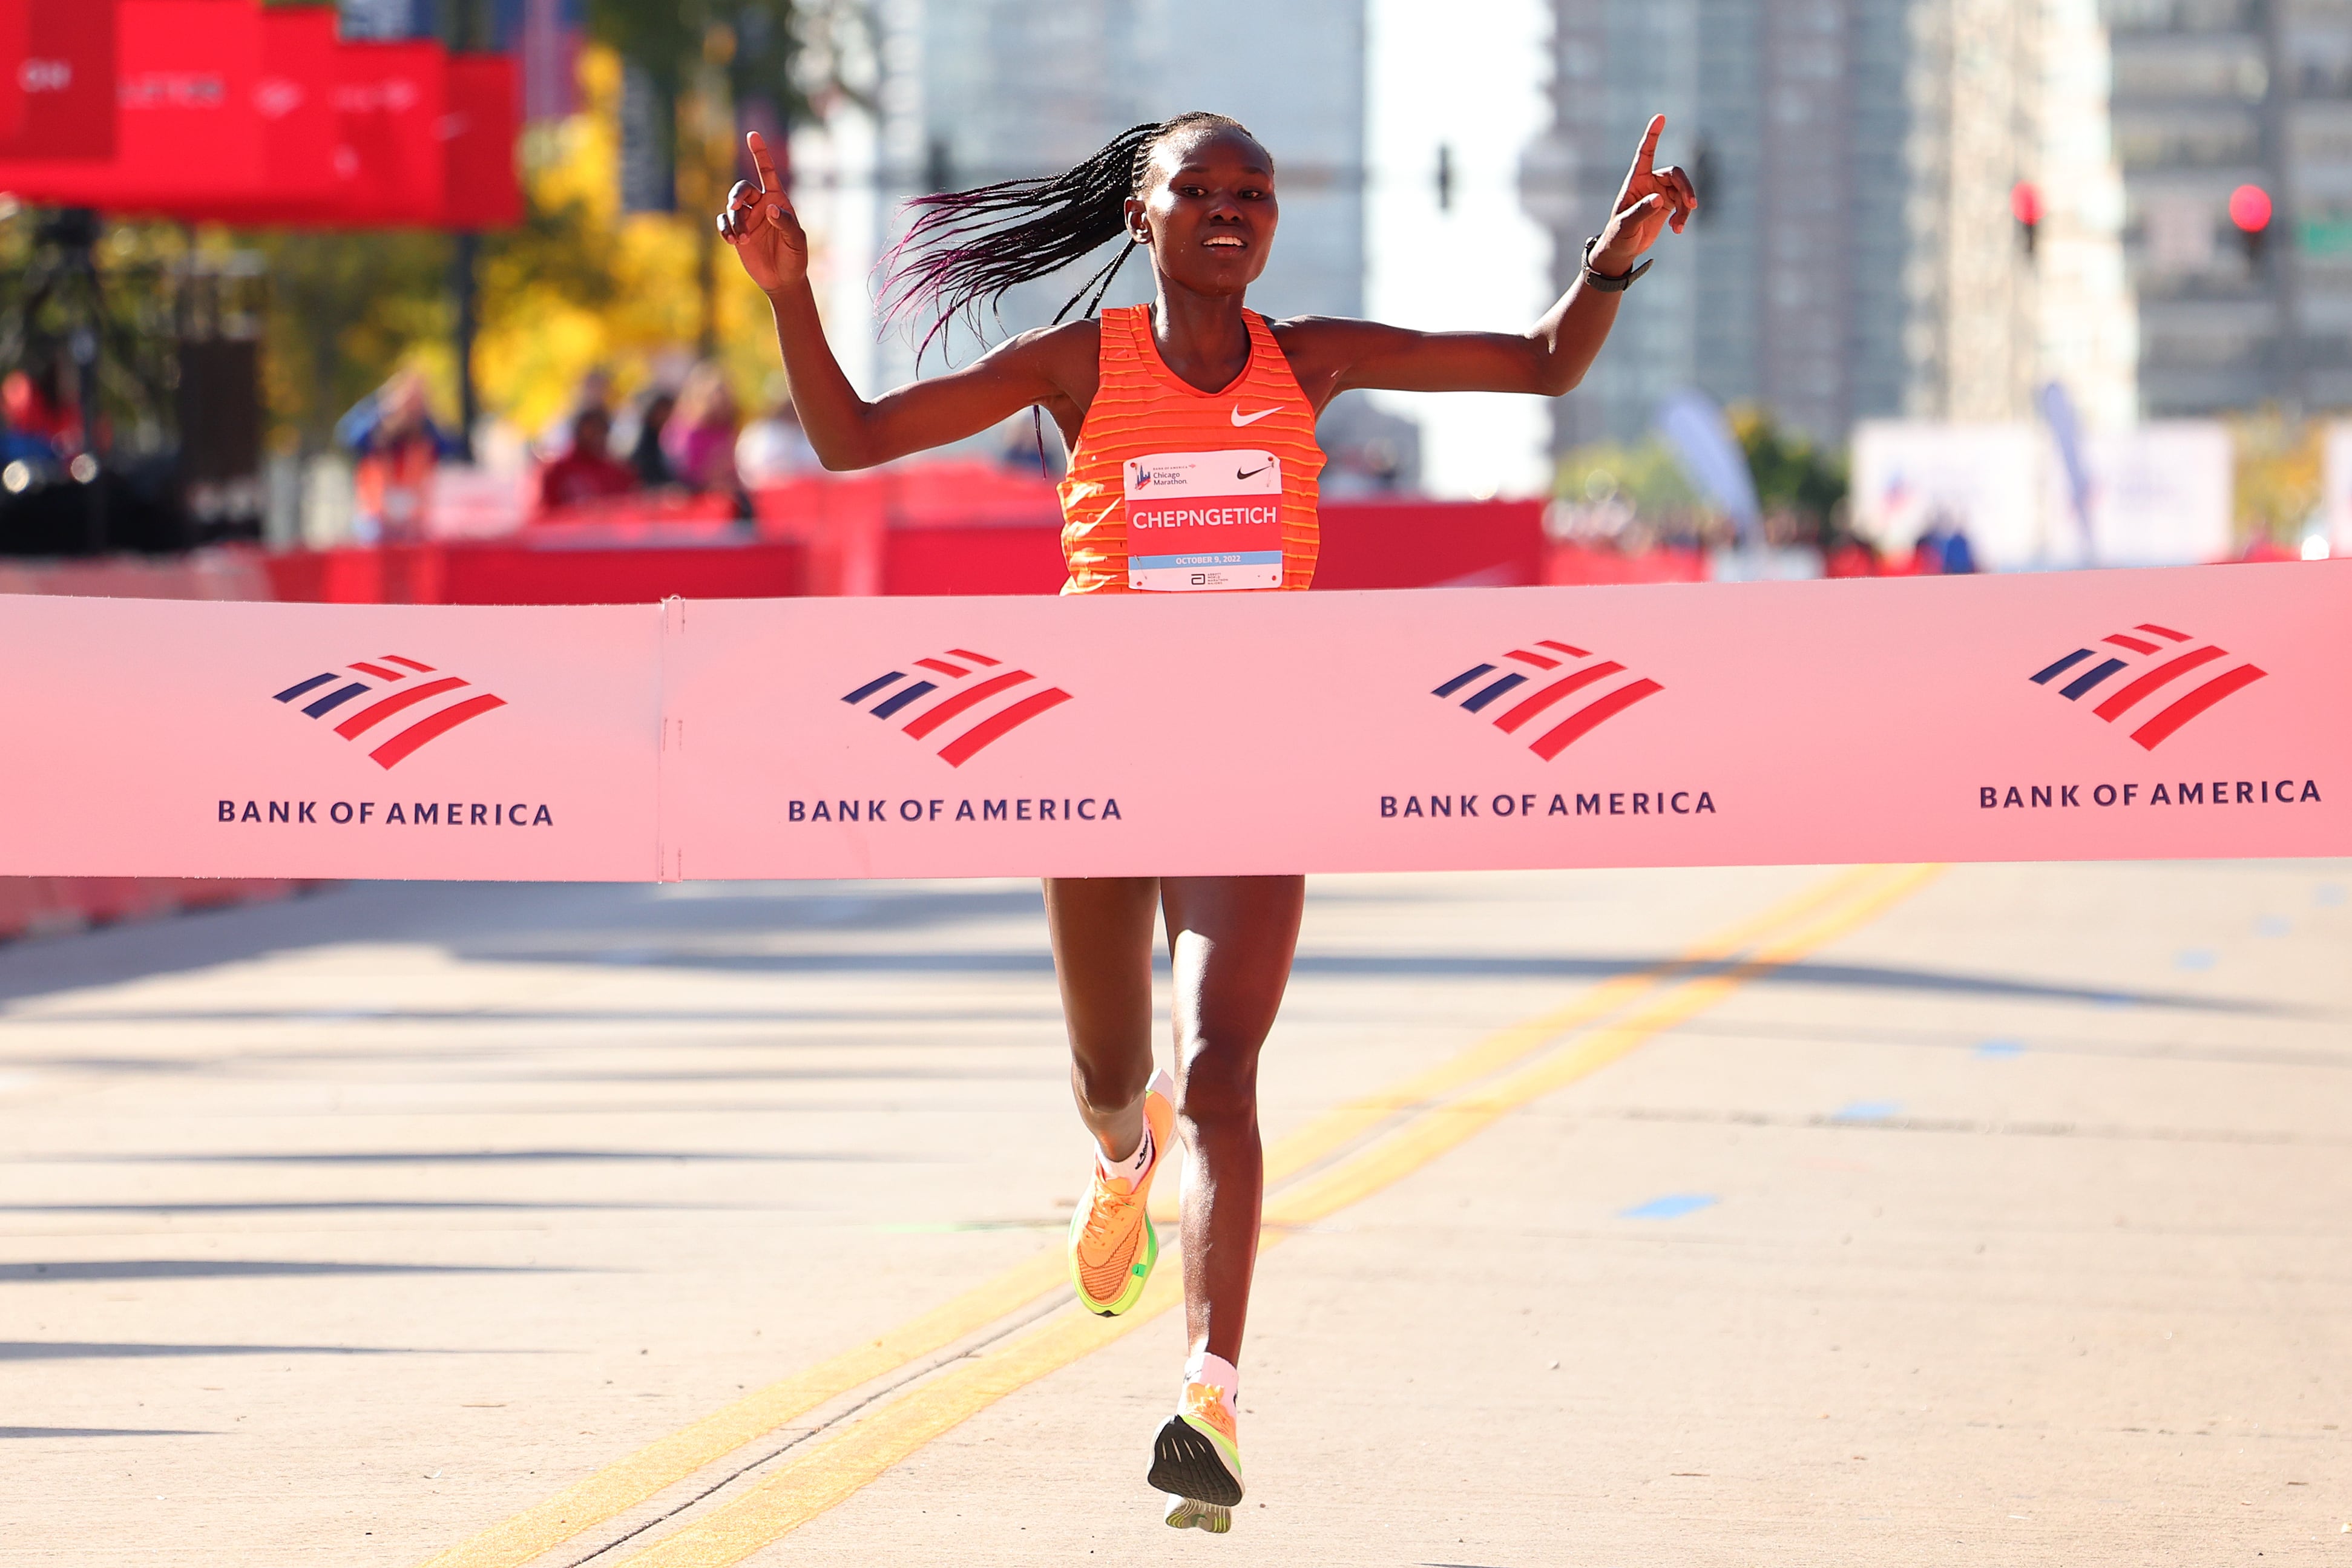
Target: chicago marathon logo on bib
(1203,520)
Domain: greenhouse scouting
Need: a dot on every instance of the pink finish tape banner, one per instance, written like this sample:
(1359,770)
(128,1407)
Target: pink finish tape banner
(2091,716)
(150,738)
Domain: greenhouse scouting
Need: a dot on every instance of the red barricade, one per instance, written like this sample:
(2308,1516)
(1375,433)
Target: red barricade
(1574,564)
(849,522)
(1431,543)
(1003,559)
(48,905)
(652,509)
(1365,543)
(504,573)
(511,574)
(976,528)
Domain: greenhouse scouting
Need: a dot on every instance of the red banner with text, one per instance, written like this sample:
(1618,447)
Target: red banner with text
(58,65)
(223,111)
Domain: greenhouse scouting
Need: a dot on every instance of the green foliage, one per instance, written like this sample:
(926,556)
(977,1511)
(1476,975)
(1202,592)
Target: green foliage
(345,310)
(2279,465)
(1643,473)
(754,42)
(348,309)
(560,249)
(44,304)
(1791,474)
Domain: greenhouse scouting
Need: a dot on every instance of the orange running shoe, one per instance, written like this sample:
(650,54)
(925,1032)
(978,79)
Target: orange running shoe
(1197,1462)
(1112,1243)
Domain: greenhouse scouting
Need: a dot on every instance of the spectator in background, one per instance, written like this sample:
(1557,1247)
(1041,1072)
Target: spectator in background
(587,471)
(1960,556)
(392,434)
(1021,446)
(1849,554)
(698,439)
(35,427)
(645,448)
(773,447)
(1943,549)
(594,390)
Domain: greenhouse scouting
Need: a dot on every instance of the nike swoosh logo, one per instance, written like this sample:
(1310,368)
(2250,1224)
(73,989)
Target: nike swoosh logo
(1253,472)
(1241,418)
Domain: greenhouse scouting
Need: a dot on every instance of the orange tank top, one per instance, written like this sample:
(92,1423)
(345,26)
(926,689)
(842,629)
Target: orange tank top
(1174,489)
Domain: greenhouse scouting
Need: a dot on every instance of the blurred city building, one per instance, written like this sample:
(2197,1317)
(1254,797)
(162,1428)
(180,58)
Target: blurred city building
(2234,120)
(1910,207)
(974,91)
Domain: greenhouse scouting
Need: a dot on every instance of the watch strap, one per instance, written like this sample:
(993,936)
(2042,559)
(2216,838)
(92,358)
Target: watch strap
(1602,281)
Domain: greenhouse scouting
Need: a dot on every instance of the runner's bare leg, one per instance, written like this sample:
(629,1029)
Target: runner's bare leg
(1231,940)
(1101,929)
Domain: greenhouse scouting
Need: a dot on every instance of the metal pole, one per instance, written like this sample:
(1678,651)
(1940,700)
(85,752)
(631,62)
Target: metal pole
(462,285)
(465,20)
(2280,253)
(76,233)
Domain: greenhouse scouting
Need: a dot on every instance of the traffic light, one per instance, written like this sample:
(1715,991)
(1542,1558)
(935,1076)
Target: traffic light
(2025,206)
(2250,210)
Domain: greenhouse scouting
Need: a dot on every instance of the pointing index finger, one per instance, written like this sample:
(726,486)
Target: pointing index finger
(764,164)
(1641,159)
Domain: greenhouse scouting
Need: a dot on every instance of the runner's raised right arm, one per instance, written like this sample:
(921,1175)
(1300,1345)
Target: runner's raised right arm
(1055,366)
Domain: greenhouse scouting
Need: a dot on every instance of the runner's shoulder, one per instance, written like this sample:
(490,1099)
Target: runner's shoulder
(1338,338)
(1319,346)
(1079,341)
(1322,330)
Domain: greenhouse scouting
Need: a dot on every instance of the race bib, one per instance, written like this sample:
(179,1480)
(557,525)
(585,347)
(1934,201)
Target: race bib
(1203,520)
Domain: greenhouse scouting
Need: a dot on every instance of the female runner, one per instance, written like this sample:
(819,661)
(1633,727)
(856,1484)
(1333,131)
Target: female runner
(1141,392)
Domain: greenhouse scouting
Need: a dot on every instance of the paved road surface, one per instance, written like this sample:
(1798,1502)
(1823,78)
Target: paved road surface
(1993,1215)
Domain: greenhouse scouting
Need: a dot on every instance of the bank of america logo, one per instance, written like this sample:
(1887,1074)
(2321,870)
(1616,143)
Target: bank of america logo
(1541,667)
(971,699)
(398,688)
(2154,660)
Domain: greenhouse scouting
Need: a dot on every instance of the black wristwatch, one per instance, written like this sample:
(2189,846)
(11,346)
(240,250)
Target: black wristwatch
(1602,280)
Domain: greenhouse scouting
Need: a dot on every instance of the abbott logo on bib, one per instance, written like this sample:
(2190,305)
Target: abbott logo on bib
(1201,520)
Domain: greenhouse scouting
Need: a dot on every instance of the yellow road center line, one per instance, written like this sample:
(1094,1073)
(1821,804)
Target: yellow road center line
(1449,1125)
(663,1463)
(790,1496)
(1341,1125)
(796,1492)
(620,1487)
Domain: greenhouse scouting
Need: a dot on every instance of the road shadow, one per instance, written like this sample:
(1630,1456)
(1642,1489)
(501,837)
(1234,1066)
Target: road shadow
(236,1269)
(1466,966)
(21,1433)
(368,1206)
(479,1156)
(116,1350)
(717,929)
(607,916)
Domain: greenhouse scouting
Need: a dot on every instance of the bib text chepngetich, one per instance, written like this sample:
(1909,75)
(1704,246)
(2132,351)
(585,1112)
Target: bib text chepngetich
(1203,520)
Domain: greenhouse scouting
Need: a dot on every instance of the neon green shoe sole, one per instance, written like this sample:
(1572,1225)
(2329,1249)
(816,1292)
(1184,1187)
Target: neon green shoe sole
(1186,1513)
(1160,1120)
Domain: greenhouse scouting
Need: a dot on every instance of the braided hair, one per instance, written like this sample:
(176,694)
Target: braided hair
(967,248)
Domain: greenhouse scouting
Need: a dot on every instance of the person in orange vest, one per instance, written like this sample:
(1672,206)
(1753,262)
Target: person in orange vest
(1194,468)
(397,444)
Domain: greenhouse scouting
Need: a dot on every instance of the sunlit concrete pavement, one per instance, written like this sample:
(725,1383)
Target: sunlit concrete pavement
(2009,1227)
